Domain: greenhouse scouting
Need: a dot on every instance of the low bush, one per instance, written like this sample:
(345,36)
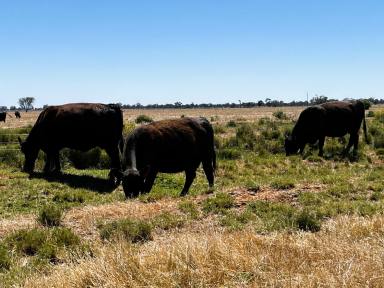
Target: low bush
(189,208)
(279,114)
(218,203)
(228,154)
(168,221)
(130,230)
(50,215)
(283,184)
(5,259)
(307,221)
(143,119)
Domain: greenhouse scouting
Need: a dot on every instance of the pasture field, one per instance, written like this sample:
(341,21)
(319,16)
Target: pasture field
(271,220)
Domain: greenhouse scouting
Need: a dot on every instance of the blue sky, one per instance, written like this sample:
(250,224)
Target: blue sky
(189,51)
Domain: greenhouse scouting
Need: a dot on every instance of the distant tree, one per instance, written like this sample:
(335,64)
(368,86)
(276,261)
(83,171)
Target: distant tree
(318,100)
(3,108)
(26,103)
(367,104)
(260,103)
(12,108)
(45,106)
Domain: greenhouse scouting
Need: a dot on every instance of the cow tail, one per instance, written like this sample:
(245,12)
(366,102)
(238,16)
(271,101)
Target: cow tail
(365,130)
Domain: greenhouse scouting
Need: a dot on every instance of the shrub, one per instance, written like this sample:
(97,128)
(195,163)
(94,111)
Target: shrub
(245,136)
(64,237)
(42,241)
(236,221)
(279,114)
(308,222)
(370,114)
(28,242)
(272,216)
(218,204)
(5,259)
(219,129)
(367,104)
(228,153)
(69,197)
(189,208)
(231,123)
(143,119)
(83,160)
(130,230)
(167,221)
(283,184)
(50,215)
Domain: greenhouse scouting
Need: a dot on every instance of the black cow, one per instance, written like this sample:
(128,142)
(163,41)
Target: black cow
(168,146)
(17,114)
(79,126)
(332,119)
(3,116)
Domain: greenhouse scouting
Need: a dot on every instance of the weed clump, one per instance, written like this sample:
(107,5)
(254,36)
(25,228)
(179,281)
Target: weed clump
(167,221)
(5,259)
(307,222)
(143,119)
(279,114)
(50,215)
(218,204)
(189,208)
(130,230)
(283,184)
(42,242)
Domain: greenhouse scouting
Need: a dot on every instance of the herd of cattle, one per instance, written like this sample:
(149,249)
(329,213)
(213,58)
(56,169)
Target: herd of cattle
(167,146)
(3,115)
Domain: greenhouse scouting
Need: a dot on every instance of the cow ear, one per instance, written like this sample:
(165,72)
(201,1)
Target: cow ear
(21,142)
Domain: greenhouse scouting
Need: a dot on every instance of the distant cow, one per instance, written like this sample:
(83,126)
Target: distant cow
(79,126)
(332,119)
(3,116)
(17,114)
(168,146)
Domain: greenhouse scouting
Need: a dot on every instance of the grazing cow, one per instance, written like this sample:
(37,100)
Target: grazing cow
(3,115)
(17,114)
(79,126)
(332,119)
(168,146)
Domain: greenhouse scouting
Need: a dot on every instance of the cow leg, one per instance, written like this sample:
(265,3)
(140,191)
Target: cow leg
(208,170)
(114,155)
(56,164)
(149,180)
(350,143)
(321,146)
(189,177)
(356,142)
(301,149)
(48,163)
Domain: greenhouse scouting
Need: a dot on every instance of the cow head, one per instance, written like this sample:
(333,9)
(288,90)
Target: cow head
(291,146)
(132,182)
(30,152)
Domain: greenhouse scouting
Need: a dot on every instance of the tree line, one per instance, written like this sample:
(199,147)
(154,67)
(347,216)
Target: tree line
(26,104)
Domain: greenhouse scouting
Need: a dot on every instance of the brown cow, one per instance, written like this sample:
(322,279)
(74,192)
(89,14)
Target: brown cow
(168,146)
(332,119)
(79,126)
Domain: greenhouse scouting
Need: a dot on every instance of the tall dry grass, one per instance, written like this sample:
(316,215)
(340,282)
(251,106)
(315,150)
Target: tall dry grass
(348,252)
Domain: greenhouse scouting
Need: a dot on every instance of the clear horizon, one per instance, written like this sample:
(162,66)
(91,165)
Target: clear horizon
(204,51)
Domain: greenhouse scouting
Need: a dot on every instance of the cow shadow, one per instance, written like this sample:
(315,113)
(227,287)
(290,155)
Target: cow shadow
(96,184)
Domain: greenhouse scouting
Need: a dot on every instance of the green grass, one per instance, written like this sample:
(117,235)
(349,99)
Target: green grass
(250,158)
(130,230)
(50,215)
(218,203)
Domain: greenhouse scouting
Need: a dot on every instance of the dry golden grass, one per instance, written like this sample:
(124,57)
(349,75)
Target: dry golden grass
(348,252)
(223,114)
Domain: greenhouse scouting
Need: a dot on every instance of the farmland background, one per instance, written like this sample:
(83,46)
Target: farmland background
(270,221)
